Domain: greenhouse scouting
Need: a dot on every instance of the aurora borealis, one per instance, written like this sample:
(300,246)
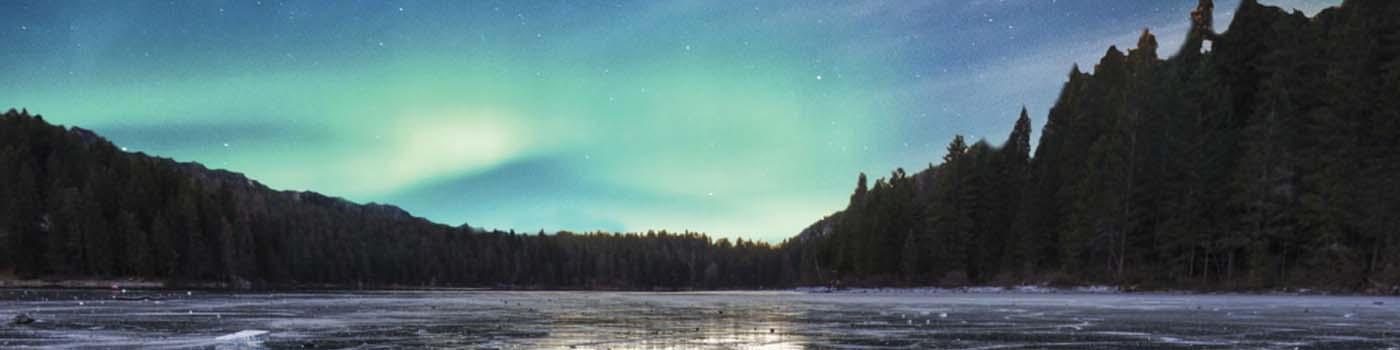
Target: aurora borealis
(736,118)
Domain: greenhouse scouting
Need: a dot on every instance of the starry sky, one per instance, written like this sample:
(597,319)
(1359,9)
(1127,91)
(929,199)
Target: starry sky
(737,118)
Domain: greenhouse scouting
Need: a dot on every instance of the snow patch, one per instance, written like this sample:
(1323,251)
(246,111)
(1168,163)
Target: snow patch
(249,338)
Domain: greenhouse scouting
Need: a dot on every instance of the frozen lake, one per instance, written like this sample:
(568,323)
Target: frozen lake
(709,320)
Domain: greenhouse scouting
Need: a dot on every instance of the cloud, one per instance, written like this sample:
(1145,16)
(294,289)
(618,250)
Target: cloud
(551,192)
(420,148)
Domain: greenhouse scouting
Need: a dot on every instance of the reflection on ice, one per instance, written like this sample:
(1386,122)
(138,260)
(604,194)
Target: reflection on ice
(248,339)
(720,320)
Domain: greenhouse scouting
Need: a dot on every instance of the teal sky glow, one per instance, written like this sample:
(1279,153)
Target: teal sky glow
(736,118)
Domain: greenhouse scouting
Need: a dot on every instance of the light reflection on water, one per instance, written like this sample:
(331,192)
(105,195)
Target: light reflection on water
(720,320)
(677,321)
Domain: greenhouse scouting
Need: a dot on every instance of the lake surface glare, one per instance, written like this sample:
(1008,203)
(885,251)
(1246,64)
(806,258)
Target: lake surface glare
(700,320)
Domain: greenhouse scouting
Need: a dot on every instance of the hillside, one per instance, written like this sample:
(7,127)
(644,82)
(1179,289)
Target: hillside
(77,207)
(1267,159)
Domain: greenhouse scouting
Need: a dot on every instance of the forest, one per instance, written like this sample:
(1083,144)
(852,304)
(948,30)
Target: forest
(1268,159)
(74,206)
(1263,157)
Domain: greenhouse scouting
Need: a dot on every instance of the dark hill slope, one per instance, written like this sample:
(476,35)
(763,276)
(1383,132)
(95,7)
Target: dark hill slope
(72,205)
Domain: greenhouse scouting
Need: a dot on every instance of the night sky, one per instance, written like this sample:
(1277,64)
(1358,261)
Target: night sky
(737,118)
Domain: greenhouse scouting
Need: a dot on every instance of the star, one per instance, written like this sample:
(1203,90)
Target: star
(751,58)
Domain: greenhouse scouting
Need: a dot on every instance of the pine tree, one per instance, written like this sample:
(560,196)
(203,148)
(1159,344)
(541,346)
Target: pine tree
(947,222)
(1265,192)
(8,162)
(65,237)
(137,253)
(27,228)
(912,259)
(164,252)
(1014,174)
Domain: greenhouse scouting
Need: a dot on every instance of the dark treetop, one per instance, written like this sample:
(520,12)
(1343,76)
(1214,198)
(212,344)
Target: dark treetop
(1270,160)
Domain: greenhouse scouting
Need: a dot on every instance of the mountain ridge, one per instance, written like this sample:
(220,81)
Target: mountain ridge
(73,206)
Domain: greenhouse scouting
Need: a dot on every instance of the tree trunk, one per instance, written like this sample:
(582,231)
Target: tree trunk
(1205,270)
(1230,268)
(1191,264)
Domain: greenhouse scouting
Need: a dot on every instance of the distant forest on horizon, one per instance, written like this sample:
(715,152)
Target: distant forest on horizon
(1270,160)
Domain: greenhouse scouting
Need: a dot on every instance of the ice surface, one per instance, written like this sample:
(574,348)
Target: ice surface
(1024,289)
(926,318)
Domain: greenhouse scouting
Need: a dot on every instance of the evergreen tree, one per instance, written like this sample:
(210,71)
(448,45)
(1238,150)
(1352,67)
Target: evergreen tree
(137,253)
(1013,175)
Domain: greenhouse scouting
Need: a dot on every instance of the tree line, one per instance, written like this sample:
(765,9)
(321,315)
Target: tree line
(74,206)
(1269,160)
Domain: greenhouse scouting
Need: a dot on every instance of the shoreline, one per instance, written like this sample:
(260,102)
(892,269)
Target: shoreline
(119,284)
